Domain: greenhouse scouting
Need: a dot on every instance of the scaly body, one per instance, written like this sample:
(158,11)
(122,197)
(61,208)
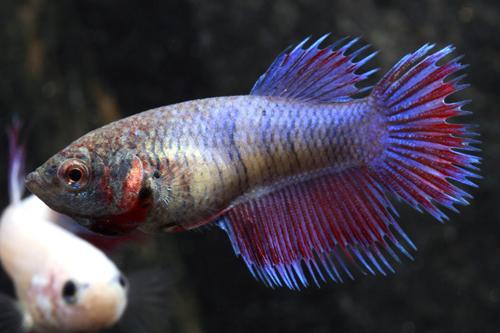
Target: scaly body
(208,154)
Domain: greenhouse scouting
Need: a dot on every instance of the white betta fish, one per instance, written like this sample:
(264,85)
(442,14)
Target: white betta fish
(62,282)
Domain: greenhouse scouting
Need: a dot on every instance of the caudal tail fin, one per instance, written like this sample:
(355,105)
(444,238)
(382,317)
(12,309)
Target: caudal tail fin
(424,151)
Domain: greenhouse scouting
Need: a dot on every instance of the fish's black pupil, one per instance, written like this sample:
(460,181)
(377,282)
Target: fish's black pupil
(122,281)
(69,292)
(75,175)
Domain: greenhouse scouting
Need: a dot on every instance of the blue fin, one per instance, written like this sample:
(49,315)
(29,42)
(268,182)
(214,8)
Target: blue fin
(315,74)
(424,150)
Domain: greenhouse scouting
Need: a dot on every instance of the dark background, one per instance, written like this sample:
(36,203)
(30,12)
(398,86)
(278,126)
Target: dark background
(70,66)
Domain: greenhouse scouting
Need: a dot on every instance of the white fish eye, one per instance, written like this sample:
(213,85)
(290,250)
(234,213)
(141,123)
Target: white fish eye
(69,292)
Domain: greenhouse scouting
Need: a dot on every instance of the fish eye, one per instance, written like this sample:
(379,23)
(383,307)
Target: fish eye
(74,174)
(122,281)
(69,292)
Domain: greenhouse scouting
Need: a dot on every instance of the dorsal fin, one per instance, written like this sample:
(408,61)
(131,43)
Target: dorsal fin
(314,73)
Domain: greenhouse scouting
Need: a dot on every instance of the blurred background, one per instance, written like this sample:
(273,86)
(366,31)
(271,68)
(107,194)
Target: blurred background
(70,66)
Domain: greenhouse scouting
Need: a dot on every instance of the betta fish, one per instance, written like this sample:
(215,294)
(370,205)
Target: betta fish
(297,173)
(63,283)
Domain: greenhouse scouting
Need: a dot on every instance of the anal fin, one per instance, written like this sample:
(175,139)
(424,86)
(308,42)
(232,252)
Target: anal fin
(316,230)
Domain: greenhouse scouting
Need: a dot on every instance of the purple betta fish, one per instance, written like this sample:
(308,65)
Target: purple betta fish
(297,172)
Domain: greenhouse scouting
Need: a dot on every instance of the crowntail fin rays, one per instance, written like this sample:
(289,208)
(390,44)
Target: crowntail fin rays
(316,74)
(425,152)
(320,228)
(316,230)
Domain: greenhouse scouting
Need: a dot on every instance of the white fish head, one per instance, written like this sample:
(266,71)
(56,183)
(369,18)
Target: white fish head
(66,300)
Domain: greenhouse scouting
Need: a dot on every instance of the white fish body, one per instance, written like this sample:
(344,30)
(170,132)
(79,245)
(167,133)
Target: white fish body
(42,258)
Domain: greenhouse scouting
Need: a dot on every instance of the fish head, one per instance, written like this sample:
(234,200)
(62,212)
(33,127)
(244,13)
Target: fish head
(100,191)
(76,303)
(89,306)
(66,181)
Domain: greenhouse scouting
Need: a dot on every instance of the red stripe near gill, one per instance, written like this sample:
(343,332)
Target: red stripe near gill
(125,222)
(132,185)
(135,204)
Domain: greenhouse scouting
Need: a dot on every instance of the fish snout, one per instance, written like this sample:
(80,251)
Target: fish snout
(108,302)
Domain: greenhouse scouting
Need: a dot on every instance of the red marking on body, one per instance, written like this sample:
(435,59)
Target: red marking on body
(135,209)
(123,223)
(132,185)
